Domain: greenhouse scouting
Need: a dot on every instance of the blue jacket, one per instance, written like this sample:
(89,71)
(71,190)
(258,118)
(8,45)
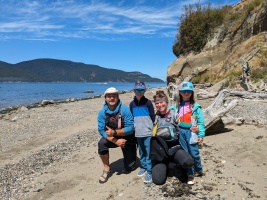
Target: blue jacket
(196,111)
(144,116)
(125,113)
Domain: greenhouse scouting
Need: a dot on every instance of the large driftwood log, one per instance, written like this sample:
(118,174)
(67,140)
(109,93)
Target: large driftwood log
(248,94)
(217,109)
(217,112)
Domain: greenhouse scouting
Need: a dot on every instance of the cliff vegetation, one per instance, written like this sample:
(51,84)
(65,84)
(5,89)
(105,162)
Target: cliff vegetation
(214,43)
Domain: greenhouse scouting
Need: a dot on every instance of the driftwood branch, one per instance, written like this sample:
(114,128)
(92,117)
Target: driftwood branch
(217,109)
(246,73)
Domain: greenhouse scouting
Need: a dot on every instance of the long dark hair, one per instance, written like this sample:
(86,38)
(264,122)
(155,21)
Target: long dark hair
(180,99)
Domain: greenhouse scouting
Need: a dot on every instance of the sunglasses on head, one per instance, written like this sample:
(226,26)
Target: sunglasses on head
(139,91)
(186,91)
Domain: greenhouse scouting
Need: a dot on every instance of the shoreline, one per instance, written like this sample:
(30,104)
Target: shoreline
(33,94)
(51,101)
(45,102)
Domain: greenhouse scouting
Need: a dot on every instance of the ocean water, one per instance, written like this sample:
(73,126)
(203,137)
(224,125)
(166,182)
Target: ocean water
(12,94)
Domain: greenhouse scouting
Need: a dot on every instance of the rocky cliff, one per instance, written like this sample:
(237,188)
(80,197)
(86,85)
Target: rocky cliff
(241,40)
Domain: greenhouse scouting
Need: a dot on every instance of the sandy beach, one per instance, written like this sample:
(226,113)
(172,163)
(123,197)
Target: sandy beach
(50,152)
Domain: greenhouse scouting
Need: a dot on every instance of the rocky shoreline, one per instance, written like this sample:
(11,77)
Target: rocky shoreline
(49,140)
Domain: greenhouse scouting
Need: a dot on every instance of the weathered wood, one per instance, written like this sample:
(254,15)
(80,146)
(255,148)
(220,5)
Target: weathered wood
(246,73)
(248,94)
(227,119)
(217,109)
(172,89)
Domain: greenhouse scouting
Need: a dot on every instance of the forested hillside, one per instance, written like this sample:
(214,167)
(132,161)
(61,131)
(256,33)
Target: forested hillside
(52,70)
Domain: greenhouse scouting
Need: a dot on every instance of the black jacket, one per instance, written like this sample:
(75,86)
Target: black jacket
(161,151)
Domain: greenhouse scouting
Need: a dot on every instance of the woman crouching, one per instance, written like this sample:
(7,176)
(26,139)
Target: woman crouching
(165,147)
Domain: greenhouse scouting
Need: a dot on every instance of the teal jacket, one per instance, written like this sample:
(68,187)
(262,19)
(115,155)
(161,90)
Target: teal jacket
(126,115)
(196,111)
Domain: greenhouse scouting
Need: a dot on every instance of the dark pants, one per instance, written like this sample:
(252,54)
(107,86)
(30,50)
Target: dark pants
(129,151)
(160,169)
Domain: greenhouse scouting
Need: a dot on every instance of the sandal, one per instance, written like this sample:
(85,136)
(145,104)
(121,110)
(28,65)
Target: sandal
(107,173)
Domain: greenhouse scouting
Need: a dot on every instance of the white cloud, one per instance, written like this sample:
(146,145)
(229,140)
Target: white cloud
(83,19)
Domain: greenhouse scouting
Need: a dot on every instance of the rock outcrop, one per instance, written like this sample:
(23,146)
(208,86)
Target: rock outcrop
(226,47)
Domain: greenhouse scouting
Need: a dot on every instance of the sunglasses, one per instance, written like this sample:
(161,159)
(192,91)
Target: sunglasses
(139,91)
(186,91)
(109,96)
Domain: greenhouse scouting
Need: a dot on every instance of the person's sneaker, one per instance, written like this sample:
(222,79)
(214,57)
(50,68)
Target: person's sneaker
(141,172)
(148,178)
(199,174)
(190,180)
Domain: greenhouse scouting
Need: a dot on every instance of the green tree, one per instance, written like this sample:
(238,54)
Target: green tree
(196,24)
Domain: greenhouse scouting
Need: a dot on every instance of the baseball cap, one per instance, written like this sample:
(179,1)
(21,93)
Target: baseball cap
(111,90)
(186,86)
(140,85)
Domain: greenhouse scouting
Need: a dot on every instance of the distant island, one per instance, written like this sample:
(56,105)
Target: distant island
(53,70)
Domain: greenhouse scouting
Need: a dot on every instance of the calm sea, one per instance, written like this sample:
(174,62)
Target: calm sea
(12,94)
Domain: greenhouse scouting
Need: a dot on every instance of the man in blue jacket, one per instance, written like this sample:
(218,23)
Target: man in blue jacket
(116,126)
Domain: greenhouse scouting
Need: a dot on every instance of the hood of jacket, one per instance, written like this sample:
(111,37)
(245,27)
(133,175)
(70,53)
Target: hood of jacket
(111,112)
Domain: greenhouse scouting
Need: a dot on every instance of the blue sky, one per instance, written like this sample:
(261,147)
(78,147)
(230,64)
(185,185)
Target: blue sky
(130,35)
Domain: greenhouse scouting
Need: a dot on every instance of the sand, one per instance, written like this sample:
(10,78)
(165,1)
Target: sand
(50,153)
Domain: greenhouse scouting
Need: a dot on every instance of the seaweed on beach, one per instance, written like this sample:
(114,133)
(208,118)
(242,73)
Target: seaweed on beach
(249,191)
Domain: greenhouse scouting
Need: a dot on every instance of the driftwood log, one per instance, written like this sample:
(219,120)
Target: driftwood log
(214,112)
(204,94)
(248,94)
(217,111)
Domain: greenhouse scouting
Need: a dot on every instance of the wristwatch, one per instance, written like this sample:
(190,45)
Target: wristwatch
(115,132)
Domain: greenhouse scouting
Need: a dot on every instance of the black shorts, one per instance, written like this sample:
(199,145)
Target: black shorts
(129,151)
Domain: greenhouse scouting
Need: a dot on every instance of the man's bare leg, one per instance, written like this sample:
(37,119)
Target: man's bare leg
(105,161)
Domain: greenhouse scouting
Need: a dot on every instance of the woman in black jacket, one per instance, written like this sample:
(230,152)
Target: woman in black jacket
(165,146)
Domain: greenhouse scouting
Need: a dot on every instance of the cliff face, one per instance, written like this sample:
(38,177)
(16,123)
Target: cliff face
(228,45)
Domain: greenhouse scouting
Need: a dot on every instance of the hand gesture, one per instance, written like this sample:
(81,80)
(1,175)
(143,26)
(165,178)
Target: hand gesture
(109,131)
(121,142)
(194,128)
(200,140)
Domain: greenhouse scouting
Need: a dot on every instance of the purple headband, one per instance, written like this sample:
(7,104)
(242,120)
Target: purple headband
(161,99)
